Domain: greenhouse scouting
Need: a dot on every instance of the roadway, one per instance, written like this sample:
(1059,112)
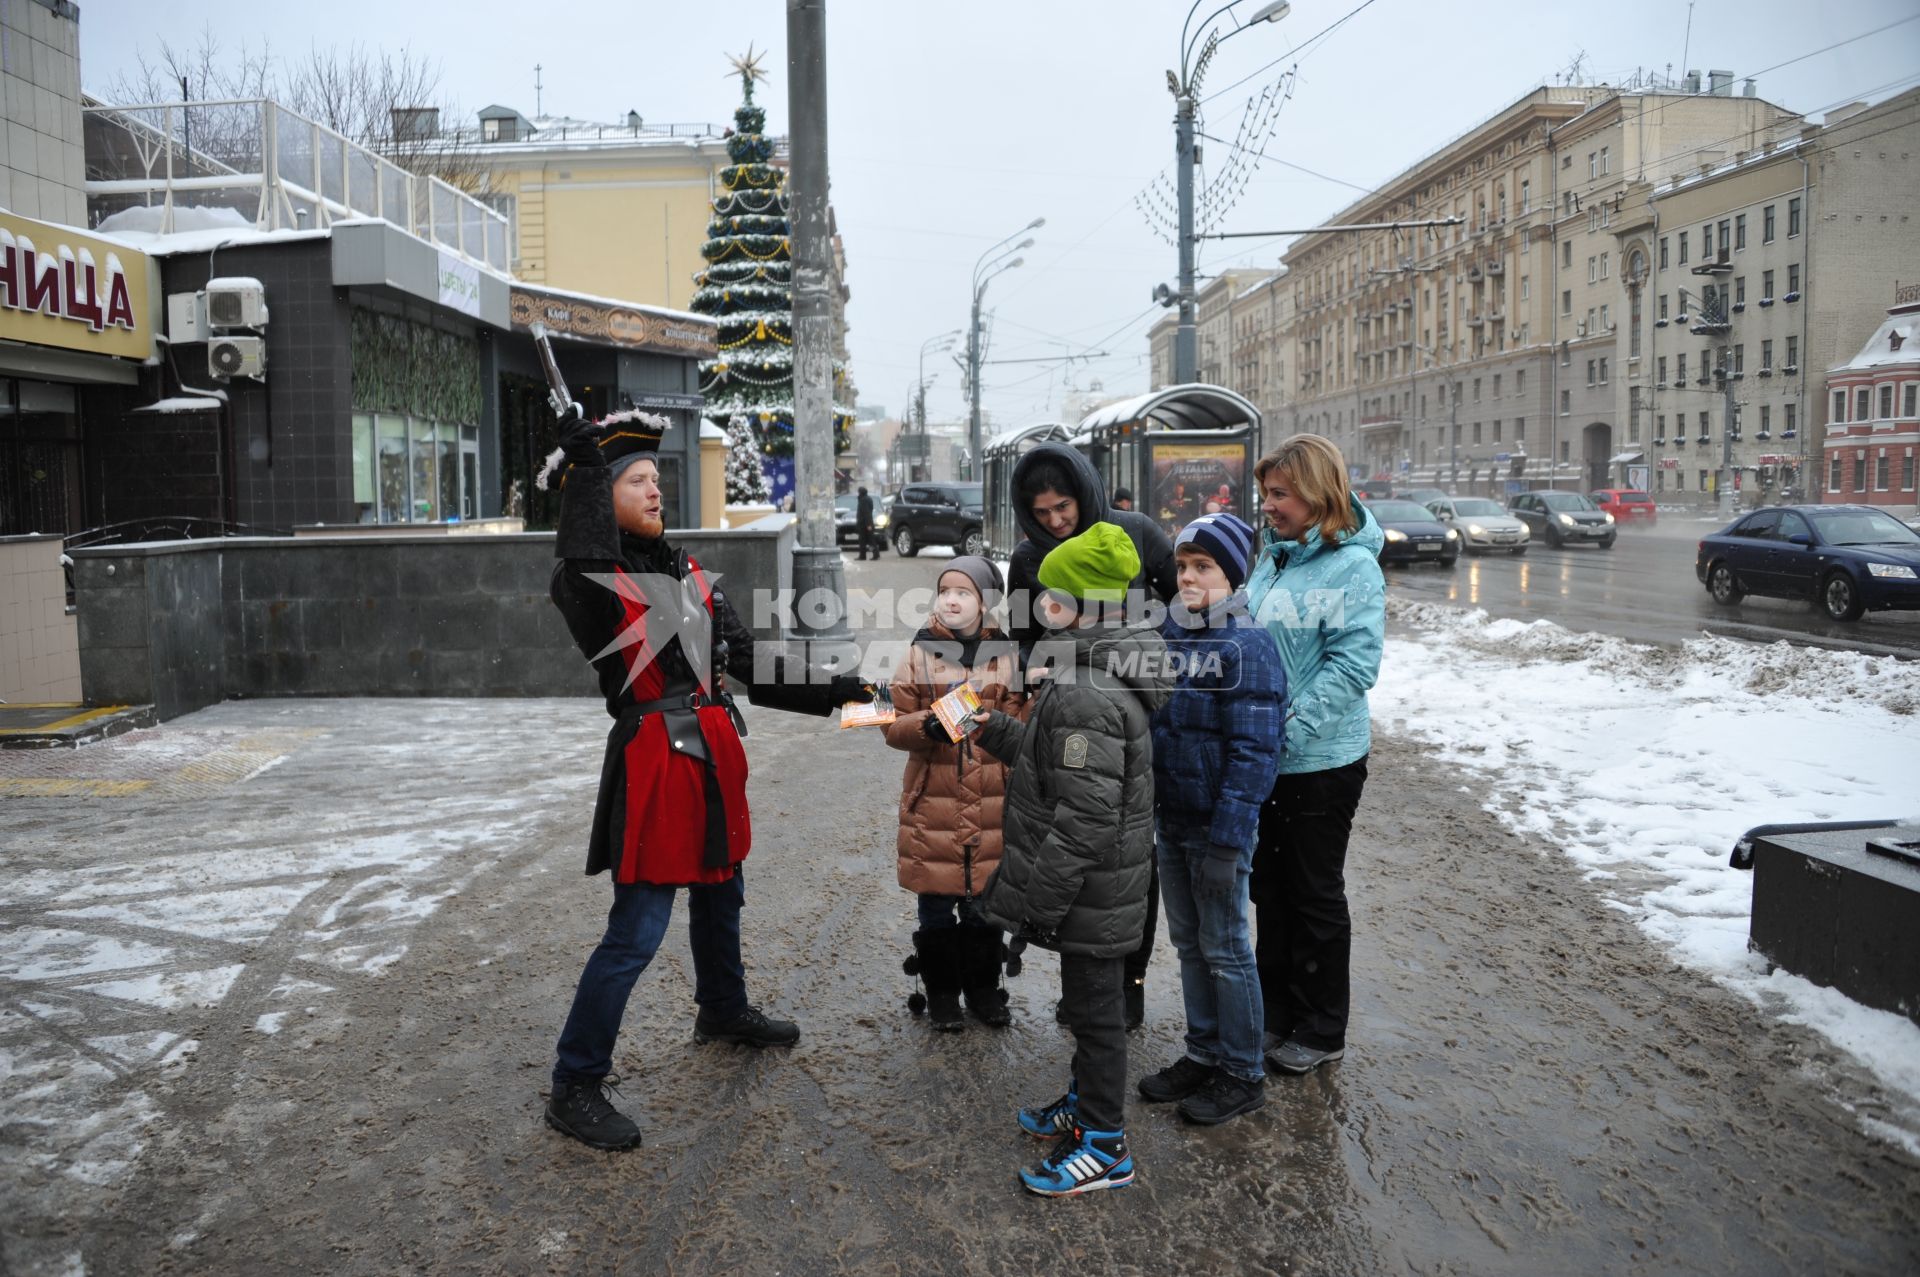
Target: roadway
(1643,589)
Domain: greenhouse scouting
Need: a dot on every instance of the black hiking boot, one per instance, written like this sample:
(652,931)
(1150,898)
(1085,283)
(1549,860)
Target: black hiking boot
(981,954)
(1177,1081)
(582,1110)
(1223,1098)
(939,951)
(750,1028)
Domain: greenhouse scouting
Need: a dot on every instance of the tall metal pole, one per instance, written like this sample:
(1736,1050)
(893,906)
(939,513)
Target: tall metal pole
(819,579)
(1727,428)
(973,388)
(1186,336)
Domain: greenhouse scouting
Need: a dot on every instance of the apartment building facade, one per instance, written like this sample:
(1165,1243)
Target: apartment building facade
(1771,265)
(1485,354)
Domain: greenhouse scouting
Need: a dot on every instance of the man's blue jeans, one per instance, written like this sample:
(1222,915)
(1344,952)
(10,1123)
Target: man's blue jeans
(1221,984)
(635,926)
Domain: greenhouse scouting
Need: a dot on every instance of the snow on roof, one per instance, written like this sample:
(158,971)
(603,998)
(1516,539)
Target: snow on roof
(710,431)
(1195,406)
(1892,343)
(193,403)
(685,316)
(195,229)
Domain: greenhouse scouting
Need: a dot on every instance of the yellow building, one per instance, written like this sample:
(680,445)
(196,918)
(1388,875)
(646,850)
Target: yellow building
(613,210)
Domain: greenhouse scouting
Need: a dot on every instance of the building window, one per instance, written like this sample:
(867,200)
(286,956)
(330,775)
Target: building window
(1526,195)
(1679,480)
(1526,287)
(1793,352)
(1663,306)
(1906,472)
(1663,252)
(1766,418)
(1739,232)
(1863,404)
(1566,254)
(1706,480)
(1766,225)
(1566,403)
(1766,355)
(1909,399)
(1886,402)
(1660,369)
(1519,430)
(1589,372)
(1593,270)
(1793,218)
(1859,474)
(1605,321)
(1792,417)
(1880,469)
(1603,370)
(1603,160)
(1603,266)
(1520,382)
(1593,165)
(1706,427)
(1496,430)
(1683,248)
(1566,302)
(1726,238)
(1496,385)
(1740,291)
(1766,286)
(1679,370)
(1476,432)
(1793,278)
(1566,450)
(1839,407)
(1740,358)
(1833,474)
(1660,428)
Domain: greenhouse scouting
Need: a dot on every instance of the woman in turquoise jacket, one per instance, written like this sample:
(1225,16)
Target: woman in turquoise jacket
(1318,590)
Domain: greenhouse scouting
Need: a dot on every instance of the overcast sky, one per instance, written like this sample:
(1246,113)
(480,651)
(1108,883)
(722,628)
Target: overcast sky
(954,124)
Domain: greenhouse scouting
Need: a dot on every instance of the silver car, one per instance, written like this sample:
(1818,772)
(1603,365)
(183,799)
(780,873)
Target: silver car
(1483,525)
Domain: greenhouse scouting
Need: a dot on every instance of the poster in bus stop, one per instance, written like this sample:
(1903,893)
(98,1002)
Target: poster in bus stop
(1192,479)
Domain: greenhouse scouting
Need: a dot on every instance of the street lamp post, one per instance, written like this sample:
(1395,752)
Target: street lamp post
(1185,88)
(983,272)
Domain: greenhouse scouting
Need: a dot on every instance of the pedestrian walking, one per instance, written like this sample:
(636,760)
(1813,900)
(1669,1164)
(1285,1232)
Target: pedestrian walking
(1316,587)
(951,794)
(1216,750)
(1058,495)
(863,525)
(671,812)
(1077,865)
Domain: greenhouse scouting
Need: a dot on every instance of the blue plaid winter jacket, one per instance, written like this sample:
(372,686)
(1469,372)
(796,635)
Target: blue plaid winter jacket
(1217,740)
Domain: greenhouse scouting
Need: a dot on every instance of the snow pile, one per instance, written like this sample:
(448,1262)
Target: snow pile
(1645,764)
(148,219)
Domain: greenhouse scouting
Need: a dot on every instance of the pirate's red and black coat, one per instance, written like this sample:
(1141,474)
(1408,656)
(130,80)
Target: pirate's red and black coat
(672,807)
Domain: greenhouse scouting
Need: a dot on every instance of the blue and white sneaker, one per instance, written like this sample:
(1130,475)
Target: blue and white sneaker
(1081,1162)
(1050,1121)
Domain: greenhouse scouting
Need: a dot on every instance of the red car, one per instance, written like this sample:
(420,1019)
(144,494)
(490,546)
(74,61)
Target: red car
(1626,505)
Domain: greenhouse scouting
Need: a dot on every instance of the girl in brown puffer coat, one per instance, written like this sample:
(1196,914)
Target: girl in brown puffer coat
(951,794)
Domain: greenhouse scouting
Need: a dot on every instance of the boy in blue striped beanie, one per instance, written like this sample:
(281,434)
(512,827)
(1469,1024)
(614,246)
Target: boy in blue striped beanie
(1216,749)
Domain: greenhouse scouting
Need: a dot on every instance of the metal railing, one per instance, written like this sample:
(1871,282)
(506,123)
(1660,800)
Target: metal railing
(275,169)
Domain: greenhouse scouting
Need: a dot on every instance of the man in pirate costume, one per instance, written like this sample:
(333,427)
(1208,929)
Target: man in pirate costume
(672,807)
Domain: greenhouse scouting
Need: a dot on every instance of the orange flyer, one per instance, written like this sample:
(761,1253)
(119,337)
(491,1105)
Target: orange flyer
(877,712)
(956,709)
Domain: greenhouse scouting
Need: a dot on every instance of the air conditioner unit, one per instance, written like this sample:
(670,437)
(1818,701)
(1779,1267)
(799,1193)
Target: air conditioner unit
(230,357)
(1580,330)
(236,302)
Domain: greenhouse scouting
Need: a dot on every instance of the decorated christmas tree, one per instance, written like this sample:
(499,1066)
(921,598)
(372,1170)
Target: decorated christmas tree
(748,287)
(746,478)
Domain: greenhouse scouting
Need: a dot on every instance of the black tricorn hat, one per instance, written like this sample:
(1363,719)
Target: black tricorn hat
(625,437)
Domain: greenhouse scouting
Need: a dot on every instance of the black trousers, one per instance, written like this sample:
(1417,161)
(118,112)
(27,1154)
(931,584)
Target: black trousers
(869,539)
(1090,993)
(1299,892)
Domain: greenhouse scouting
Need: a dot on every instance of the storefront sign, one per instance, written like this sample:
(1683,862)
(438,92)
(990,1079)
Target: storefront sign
(613,324)
(667,399)
(1669,463)
(459,284)
(59,287)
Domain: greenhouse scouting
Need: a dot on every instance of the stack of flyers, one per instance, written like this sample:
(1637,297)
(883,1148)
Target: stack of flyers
(956,709)
(877,712)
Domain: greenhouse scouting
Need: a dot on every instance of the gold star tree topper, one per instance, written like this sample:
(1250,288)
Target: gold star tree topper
(747,67)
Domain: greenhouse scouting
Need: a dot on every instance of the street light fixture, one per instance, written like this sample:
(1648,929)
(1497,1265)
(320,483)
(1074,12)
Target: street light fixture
(1185,87)
(983,271)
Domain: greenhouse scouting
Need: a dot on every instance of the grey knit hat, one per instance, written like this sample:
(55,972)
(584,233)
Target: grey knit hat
(985,577)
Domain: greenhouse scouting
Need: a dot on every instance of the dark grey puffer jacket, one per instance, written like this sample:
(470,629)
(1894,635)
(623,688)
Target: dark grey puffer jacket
(1078,820)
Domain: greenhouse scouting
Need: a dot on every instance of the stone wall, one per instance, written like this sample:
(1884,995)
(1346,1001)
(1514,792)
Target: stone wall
(185,624)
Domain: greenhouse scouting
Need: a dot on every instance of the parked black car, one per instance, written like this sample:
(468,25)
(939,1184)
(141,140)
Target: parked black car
(938,514)
(1560,518)
(1413,534)
(1847,559)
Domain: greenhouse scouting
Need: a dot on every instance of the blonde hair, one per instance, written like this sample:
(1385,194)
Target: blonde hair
(1317,473)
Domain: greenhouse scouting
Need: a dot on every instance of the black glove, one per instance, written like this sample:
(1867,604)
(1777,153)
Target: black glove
(580,439)
(851,689)
(934,729)
(1030,933)
(1217,874)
